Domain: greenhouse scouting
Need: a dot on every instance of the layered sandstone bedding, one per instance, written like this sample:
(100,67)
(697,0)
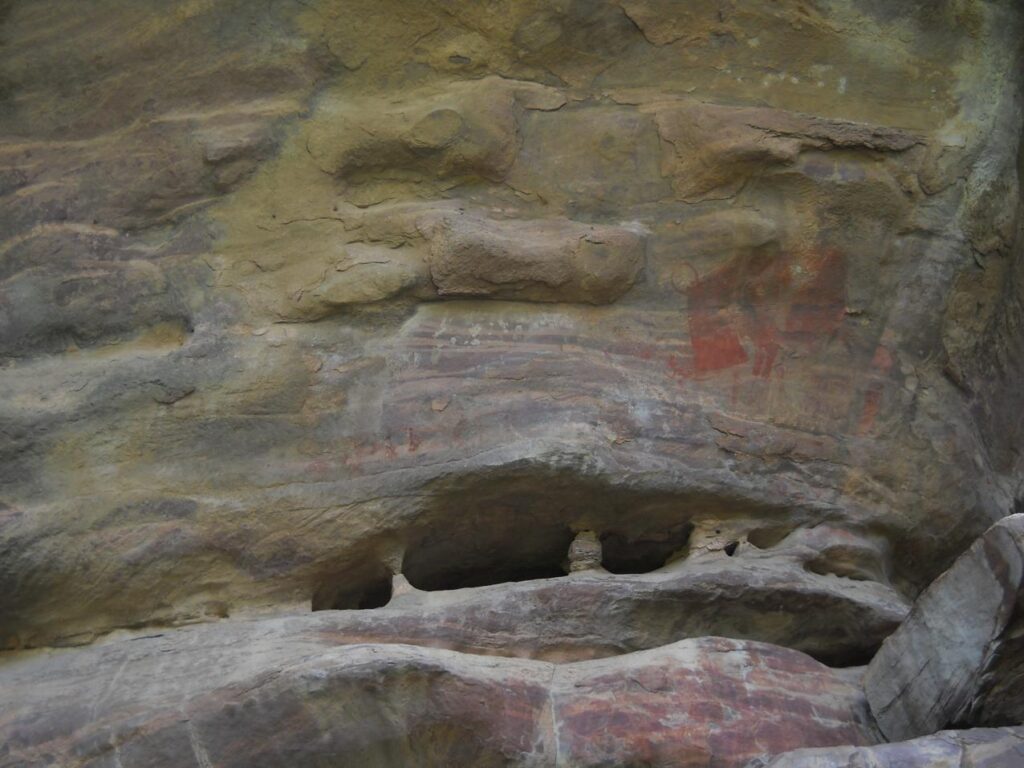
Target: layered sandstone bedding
(511,382)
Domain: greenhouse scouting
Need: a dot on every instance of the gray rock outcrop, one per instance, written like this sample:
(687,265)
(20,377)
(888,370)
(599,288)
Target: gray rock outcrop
(958,658)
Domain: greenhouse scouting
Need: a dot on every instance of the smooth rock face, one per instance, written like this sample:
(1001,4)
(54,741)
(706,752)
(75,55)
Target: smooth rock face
(958,658)
(974,748)
(373,308)
(276,693)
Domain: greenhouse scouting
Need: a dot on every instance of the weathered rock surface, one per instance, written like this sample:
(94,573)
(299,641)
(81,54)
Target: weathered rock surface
(959,656)
(378,304)
(593,614)
(201,695)
(712,150)
(539,261)
(585,552)
(327,284)
(974,748)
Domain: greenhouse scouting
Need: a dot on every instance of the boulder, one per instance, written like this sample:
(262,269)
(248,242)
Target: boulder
(973,748)
(958,658)
(273,693)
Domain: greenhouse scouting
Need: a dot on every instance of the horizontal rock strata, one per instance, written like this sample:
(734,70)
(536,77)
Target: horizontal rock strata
(203,695)
(389,382)
(593,614)
(958,657)
(287,290)
(538,260)
(974,748)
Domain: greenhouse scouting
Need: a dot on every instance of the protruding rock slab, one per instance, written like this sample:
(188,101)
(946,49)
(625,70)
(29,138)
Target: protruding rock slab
(973,748)
(712,149)
(593,614)
(540,260)
(950,661)
(704,702)
(469,130)
(204,695)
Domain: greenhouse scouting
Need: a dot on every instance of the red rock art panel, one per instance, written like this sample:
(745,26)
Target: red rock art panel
(753,308)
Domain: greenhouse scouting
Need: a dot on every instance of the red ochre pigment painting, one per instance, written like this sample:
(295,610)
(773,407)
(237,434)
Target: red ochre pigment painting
(753,308)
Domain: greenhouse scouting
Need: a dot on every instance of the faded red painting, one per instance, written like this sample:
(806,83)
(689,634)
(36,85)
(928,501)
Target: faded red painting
(750,310)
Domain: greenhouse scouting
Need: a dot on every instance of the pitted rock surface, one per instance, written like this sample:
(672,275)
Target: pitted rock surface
(352,315)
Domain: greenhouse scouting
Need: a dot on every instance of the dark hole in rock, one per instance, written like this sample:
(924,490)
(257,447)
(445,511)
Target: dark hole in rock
(443,562)
(623,554)
(363,592)
(483,576)
(376,595)
(516,523)
(730,548)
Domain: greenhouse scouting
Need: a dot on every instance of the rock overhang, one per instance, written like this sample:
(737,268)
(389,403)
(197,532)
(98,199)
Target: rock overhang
(317,294)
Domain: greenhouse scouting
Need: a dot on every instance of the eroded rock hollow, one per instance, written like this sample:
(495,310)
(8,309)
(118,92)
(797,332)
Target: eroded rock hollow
(520,382)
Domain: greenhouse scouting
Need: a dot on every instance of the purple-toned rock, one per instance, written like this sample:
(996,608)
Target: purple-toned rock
(702,703)
(275,693)
(974,748)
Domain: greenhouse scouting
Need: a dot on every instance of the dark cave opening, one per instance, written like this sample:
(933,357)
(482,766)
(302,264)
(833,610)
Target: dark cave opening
(622,553)
(495,554)
(363,592)
(517,525)
(376,595)
(485,576)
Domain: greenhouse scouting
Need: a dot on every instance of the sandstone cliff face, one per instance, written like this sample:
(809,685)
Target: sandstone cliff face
(567,330)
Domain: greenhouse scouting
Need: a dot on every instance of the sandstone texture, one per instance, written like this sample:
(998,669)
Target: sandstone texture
(958,657)
(974,748)
(521,382)
(593,614)
(199,696)
(319,291)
